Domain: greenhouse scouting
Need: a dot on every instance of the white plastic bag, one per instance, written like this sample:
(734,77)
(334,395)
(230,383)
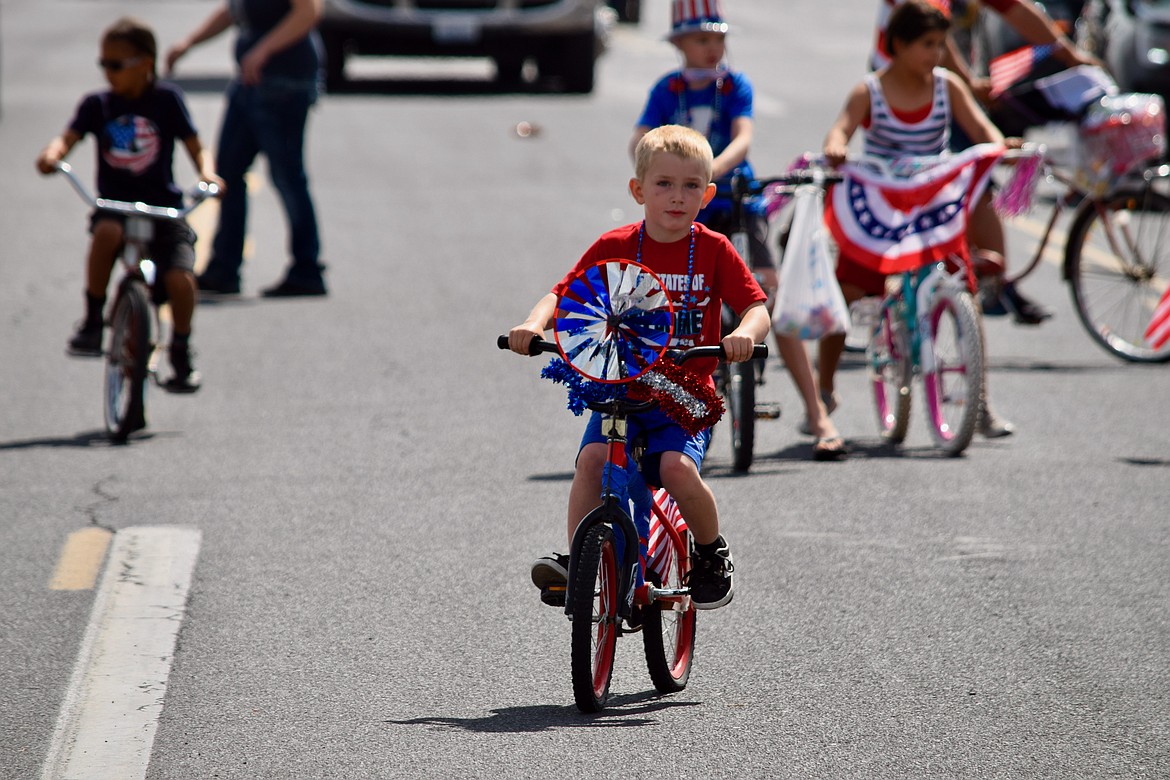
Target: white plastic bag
(809,304)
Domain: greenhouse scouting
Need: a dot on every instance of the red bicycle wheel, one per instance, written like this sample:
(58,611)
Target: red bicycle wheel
(593,595)
(668,625)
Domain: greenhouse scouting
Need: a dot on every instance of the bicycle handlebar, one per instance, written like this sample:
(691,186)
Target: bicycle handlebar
(887,166)
(197,194)
(538,346)
(742,188)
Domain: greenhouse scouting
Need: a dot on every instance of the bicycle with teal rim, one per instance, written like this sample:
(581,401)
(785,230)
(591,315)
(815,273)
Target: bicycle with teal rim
(928,327)
(630,557)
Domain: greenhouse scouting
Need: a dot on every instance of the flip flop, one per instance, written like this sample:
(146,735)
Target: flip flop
(830,448)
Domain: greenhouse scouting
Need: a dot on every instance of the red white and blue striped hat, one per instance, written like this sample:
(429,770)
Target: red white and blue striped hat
(688,16)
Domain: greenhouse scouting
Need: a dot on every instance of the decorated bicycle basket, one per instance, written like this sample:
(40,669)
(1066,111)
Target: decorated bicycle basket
(1117,134)
(613,324)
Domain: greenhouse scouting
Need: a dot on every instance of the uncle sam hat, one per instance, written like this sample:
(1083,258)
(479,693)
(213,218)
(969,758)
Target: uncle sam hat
(688,16)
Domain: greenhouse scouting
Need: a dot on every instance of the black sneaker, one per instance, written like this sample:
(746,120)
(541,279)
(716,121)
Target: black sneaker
(551,575)
(290,289)
(214,284)
(185,378)
(87,341)
(710,577)
(1026,312)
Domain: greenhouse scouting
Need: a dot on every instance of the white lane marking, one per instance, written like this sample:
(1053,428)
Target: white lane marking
(111,708)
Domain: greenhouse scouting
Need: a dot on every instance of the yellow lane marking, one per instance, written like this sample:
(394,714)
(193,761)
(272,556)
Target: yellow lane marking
(1054,251)
(204,220)
(81,559)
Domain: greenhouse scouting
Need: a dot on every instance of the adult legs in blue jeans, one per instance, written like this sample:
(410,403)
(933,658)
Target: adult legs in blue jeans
(269,120)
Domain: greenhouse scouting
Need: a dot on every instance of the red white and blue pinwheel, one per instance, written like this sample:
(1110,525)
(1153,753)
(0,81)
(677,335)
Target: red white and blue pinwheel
(614,321)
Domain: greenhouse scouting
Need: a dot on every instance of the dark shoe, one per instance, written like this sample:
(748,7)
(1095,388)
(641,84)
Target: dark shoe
(87,341)
(551,575)
(185,378)
(710,577)
(213,284)
(287,289)
(991,302)
(832,448)
(1026,312)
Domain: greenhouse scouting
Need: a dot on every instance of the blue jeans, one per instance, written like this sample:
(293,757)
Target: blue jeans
(269,119)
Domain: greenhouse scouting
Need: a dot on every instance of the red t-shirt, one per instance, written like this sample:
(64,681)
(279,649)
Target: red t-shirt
(718,275)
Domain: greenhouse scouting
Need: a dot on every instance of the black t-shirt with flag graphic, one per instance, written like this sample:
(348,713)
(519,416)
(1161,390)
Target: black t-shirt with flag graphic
(136,142)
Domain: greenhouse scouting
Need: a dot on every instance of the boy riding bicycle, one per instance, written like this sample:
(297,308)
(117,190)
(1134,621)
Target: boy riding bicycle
(136,123)
(715,100)
(700,270)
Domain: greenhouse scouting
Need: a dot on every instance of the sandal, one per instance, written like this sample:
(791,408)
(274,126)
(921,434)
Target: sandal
(830,448)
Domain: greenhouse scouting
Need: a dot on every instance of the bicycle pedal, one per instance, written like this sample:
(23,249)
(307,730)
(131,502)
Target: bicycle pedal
(625,627)
(769,411)
(553,595)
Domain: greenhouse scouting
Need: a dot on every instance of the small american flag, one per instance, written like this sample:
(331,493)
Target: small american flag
(660,552)
(1159,331)
(1006,69)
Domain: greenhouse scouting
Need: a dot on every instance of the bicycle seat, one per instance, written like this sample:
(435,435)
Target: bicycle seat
(621,407)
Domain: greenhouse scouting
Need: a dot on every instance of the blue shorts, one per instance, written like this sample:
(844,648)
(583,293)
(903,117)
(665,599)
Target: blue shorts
(661,433)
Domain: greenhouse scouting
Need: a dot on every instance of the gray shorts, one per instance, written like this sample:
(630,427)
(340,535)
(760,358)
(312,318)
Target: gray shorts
(173,245)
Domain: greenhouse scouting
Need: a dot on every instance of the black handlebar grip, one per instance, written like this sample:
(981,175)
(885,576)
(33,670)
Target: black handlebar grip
(535,347)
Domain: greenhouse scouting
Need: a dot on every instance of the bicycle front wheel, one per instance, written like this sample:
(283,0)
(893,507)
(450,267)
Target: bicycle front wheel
(952,376)
(888,358)
(126,361)
(668,627)
(1118,265)
(594,598)
(741,412)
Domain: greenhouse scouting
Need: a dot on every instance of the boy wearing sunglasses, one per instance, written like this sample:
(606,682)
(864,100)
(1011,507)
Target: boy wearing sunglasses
(136,123)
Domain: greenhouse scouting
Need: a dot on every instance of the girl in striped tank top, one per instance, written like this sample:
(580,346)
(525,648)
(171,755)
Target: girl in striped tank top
(906,109)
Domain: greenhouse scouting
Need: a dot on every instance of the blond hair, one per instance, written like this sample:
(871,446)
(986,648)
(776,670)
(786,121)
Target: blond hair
(674,139)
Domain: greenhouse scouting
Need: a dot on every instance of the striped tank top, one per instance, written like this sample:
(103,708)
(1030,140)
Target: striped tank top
(890,137)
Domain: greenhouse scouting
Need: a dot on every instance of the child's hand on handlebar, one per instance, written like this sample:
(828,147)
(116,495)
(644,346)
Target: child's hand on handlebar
(738,347)
(212,179)
(835,154)
(521,336)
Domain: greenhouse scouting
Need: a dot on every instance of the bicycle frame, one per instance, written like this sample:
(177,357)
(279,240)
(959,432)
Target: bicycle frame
(1070,197)
(623,486)
(917,289)
(134,352)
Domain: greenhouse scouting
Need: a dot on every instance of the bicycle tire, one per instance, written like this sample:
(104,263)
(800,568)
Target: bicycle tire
(668,629)
(953,380)
(1114,295)
(126,362)
(594,598)
(741,412)
(888,358)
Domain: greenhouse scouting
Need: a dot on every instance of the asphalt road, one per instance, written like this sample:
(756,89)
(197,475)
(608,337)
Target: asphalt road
(371,477)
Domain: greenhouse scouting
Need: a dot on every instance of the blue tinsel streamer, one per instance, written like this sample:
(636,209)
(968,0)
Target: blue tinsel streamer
(581,390)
